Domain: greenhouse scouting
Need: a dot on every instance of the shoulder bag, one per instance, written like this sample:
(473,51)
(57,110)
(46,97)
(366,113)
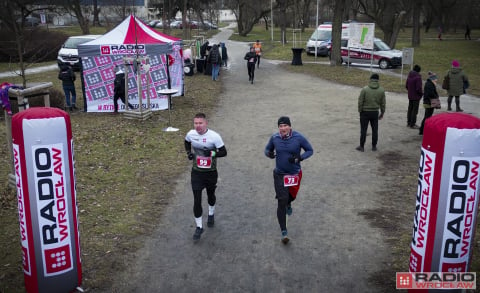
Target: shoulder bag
(446,82)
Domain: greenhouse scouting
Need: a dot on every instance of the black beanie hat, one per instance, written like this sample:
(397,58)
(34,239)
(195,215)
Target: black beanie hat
(417,68)
(284,120)
(374,76)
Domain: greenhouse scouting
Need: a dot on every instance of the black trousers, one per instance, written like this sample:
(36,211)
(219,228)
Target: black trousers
(115,101)
(428,114)
(367,117)
(251,70)
(412,112)
(284,199)
(201,180)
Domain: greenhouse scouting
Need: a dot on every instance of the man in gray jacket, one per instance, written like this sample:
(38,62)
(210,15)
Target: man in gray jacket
(371,99)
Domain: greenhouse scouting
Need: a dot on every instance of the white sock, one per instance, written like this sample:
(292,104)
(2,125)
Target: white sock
(199,222)
(211,210)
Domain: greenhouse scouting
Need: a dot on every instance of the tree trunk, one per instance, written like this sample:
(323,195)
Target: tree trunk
(96,12)
(417,8)
(282,4)
(397,25)
(84,26)
(184,20)
(335,53)
(74,7)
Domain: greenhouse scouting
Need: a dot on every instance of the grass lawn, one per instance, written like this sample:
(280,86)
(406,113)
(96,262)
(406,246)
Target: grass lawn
(125,174)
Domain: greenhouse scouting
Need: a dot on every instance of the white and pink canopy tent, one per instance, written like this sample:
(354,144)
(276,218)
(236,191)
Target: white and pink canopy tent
(131,38)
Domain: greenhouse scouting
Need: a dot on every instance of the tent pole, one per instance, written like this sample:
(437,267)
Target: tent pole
(168,72)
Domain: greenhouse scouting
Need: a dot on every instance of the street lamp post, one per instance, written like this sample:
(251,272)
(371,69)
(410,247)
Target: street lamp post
(271,18)
(316,40)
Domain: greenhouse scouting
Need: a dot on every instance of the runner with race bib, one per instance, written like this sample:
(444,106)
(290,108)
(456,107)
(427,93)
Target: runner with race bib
(203,147)
(285,147)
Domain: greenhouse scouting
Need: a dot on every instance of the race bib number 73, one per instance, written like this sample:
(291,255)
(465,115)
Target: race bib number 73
(290,180)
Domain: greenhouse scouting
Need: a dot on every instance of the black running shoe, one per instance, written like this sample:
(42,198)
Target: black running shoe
(198,233)
(211,221)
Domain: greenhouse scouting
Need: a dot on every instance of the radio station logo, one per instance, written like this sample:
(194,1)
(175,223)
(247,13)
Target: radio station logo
(53,208)
(127,49)
(432,280)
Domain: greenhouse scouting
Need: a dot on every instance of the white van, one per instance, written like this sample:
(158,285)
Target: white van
(68,54)
(322,39)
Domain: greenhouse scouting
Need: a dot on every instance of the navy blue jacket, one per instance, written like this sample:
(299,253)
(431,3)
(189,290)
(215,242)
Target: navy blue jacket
(284,149)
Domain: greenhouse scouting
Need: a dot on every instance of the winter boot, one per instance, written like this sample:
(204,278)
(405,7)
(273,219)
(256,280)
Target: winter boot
(449,100)
(457,105)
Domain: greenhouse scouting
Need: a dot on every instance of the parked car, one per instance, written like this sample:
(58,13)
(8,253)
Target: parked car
(68,53)
(176,24)
(383,55)
(209,26)
(193,24)
(153,23)
(30,21)
(159,24)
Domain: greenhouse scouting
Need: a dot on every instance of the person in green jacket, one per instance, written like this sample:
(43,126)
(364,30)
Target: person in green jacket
(371,99)
(458,82)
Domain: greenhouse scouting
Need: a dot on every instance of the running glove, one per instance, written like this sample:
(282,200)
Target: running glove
(190,156)
(295,159)
(271,155)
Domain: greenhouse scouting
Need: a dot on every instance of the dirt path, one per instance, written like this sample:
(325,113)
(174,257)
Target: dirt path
(349,207)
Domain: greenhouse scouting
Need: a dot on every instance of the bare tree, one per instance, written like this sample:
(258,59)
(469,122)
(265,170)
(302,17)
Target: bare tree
(416,12)
(13,14)
(248,13)
(305,13)
(75,8)
(388,15)
(96,12)
(338,14)
(282,7)
(442,10)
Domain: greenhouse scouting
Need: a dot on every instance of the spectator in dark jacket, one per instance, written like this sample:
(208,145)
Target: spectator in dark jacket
(415,92)
(429,93)
(224,54)
(215,59)
(203,50)
(67,76)
(119,90)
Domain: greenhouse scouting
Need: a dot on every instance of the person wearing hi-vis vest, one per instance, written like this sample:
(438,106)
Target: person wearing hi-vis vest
(258,51)
(285,147)
(203,147)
